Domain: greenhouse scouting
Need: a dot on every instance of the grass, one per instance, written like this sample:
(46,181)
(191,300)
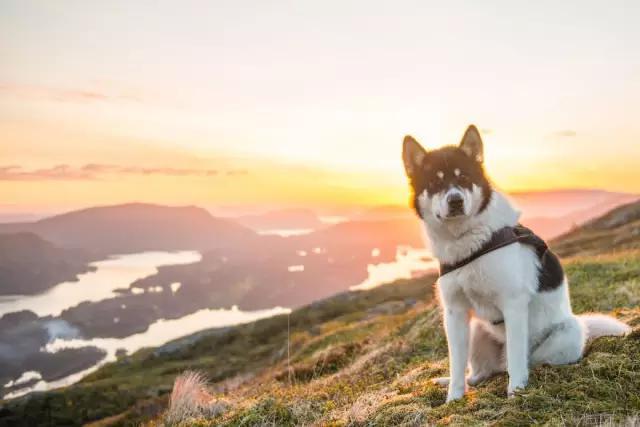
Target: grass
(617,230)
(352,363)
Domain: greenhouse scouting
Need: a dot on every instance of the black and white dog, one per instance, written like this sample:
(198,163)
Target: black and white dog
(505,299)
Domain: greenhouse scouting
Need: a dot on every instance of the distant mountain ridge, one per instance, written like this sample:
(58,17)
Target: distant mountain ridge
(281,219)
(136,227)
(560,202)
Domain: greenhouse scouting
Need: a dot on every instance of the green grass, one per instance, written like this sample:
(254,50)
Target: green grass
(351,365)
(604,282)
(388,383)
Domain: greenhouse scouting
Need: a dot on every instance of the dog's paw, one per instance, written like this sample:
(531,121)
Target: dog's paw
(452,397)
(441,381)
(455,393)
(474,380)
(514,388)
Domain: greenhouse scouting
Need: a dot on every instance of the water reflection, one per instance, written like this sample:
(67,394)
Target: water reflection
(158,333)
(286,232)
(111,274)
(409,262)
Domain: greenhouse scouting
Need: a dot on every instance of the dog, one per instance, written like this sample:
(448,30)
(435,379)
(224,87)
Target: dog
(505,300)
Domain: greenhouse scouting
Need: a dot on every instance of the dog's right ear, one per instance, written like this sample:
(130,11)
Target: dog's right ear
(413,155)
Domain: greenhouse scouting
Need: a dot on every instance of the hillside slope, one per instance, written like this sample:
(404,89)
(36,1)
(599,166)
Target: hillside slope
(360,358)
(618,229)
(29,264)
(366,358)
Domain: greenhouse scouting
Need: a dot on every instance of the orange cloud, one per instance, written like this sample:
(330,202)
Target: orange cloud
(94,171)
(65,94)
(58,172)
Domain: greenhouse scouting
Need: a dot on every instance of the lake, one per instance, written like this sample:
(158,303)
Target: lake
(111,274)
(409,262)
(118,272)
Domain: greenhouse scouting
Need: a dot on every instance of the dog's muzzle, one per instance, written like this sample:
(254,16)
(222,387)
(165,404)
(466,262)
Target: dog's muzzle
(455,205)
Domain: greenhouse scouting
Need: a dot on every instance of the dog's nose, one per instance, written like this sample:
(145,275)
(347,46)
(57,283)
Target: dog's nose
(456,204)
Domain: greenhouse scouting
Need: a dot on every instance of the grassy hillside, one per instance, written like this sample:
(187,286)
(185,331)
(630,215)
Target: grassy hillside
(619,229)
(373,367)
(361,358)
(366,358)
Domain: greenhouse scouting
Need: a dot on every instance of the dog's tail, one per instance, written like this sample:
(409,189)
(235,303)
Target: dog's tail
(600,325)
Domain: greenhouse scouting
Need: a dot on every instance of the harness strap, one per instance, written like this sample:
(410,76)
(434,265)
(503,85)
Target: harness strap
(499,239)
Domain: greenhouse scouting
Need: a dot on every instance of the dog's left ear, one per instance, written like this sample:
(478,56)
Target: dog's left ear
(471,144)
(412,155)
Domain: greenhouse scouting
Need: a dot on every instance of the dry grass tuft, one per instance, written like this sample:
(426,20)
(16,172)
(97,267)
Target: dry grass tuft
(191,400)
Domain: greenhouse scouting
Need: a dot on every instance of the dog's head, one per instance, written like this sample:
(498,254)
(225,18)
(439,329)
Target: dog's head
(449,184)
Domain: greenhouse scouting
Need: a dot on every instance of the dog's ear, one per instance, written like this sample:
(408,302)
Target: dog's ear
(413,155)
(471,144)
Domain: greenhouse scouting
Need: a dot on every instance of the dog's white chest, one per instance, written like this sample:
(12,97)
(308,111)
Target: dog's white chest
(481,286)
(483,301)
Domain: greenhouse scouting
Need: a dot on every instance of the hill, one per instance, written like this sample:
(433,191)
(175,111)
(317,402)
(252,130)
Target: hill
(365,358)
(136,227)
(360,358)
(619,229)
(550,213)
(29,264)
(281,219)
(563,202)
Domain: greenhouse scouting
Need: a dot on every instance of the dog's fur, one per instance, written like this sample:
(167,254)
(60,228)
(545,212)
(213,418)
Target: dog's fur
(506,310)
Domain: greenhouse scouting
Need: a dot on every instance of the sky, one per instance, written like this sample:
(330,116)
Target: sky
(295,103)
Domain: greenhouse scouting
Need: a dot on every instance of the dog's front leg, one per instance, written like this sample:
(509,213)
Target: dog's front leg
(456,321)
(516,318)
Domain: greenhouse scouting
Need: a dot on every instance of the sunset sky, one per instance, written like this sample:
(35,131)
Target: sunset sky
(294,103)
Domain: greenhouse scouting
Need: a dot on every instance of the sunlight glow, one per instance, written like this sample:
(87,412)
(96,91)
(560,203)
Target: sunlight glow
(312,119)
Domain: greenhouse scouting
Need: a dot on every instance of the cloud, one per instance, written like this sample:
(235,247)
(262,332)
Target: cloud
(65,94)
(168,171)
(565,133)
(96,168)
(55,173)
(486,131)
(94,171)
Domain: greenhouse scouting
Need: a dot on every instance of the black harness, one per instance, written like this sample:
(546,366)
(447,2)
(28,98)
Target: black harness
(501,238)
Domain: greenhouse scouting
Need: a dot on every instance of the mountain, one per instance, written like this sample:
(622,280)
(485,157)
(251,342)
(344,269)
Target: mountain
(560,203)
(379,232)
(386,212)
(550,213)
(136,227)
(18,217)
(29,264)
(281,219)
(617,230)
